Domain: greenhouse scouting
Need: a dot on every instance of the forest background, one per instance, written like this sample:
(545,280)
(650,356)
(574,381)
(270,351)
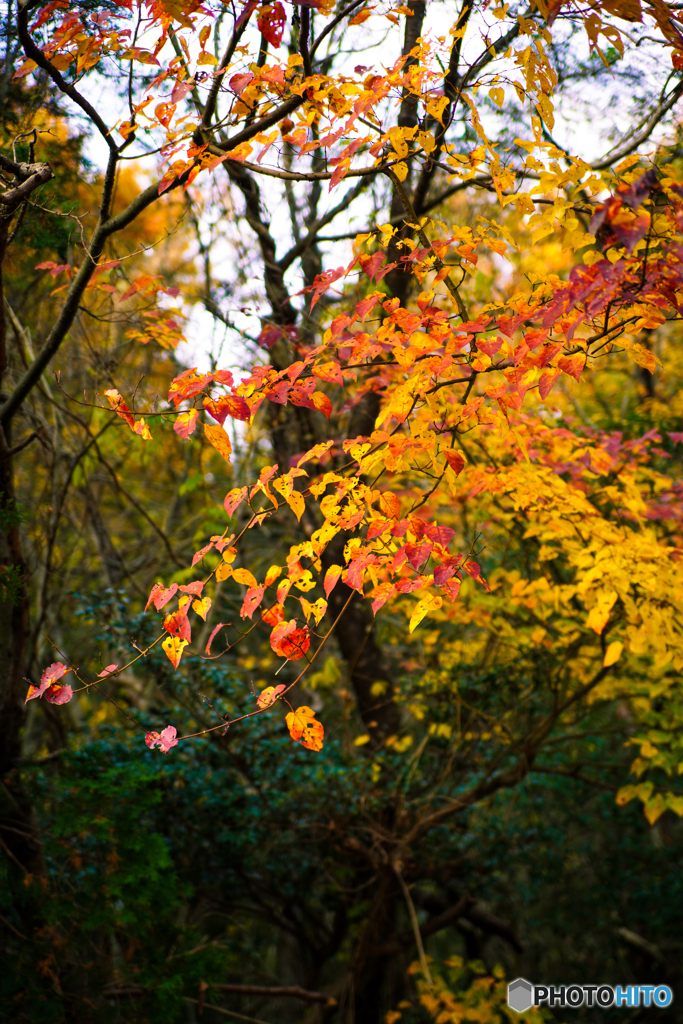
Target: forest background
(385,415)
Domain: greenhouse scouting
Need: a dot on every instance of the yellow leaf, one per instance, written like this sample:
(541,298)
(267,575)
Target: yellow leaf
(599,613)
(223,572)
(429,603)
(202,606)
(173,648)
(497,95)
(244,576)
(296,503)
(675,803)
(360,741)
(304,728)
(206,58)
(217,436)
(272,574)
(627,793)
(655,807)
(401,171)
(613,653)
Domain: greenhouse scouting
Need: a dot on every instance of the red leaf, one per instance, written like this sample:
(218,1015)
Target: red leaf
(365,305)
(119,406)
(418,554)
(47,682)
(198,555)
(178,625)
(454,460)
(164,740)
(371,264)
(161,595)
(452,588)
(238,83)
(193,588)
(443,572)
(472,569)
(228,405)
(545,384)
(271,23)
(53,672)
(382,595)
(59,694)
(252,600)
(289,642)
(180,91)
(213,634)
(440,534)
(107,671)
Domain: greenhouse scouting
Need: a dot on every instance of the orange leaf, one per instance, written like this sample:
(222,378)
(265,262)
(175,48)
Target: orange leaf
(217,436)
(185,423)
(332,578)
(303,727)
(289,642)
(268,696)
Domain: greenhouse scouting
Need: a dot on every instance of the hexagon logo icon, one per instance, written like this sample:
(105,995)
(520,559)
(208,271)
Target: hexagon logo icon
(520,995)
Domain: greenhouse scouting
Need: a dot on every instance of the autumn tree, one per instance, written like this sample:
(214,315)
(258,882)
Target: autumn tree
(428,489)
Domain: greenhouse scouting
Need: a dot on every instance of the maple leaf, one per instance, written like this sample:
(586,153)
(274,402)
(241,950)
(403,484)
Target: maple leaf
(267,697)
(217,436)
(304,727)
(173,648)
